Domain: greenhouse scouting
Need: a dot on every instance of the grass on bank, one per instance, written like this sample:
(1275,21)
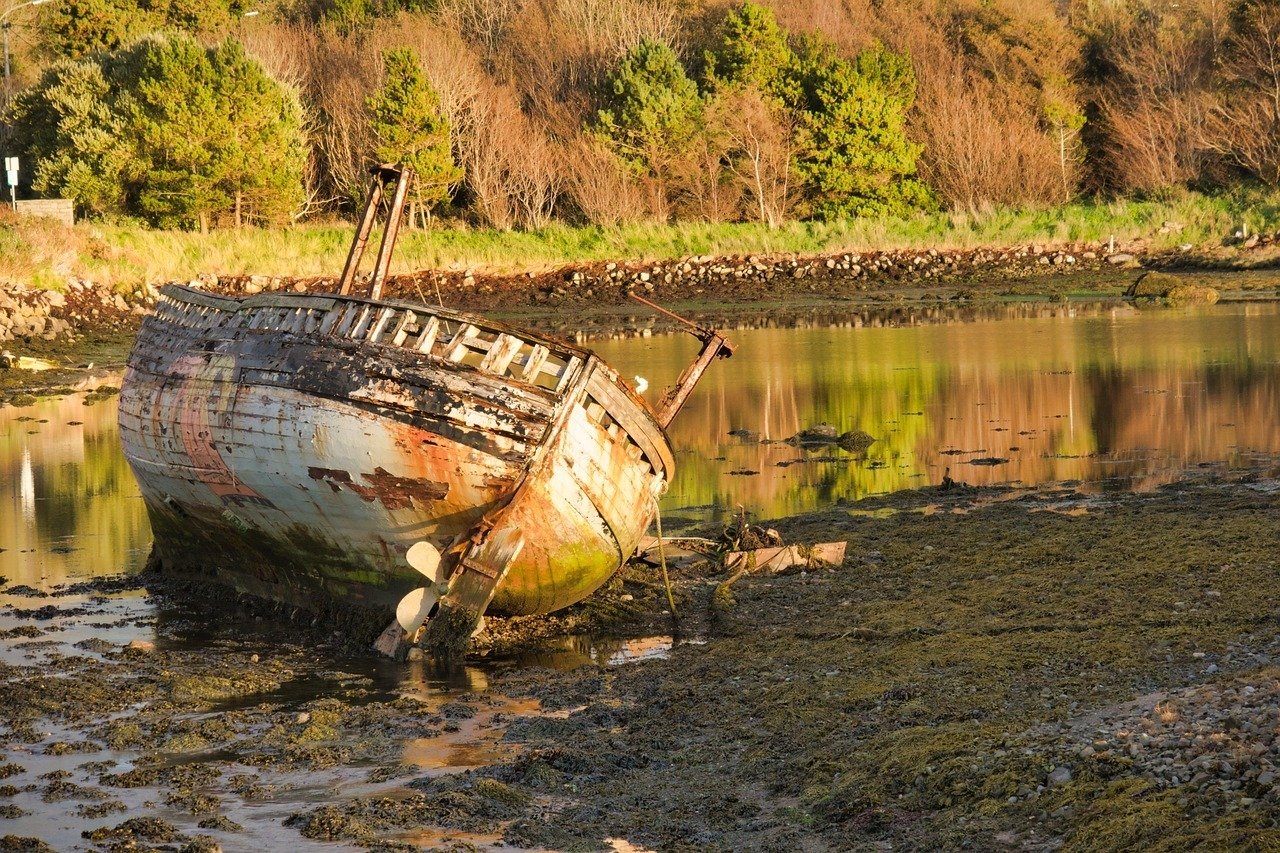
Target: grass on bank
(43,254)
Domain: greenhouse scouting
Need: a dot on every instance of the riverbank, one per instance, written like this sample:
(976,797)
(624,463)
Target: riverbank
(987,669)
(66,332)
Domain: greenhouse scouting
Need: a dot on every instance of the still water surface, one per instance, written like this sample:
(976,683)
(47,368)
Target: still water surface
(1108,395)
(1112,396)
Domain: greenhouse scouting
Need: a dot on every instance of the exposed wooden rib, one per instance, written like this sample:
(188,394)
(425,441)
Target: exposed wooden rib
(533,364)
(457,346)
(567,372)
(501,352)
(362,324)
(384,317)
(398,334)
(427,337)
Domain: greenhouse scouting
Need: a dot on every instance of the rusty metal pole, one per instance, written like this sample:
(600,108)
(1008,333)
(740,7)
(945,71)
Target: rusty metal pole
(713,344)
(392,231)
(361,238)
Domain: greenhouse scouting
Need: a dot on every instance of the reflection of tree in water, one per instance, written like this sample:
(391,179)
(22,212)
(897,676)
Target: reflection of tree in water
(1063,386)
(88,518)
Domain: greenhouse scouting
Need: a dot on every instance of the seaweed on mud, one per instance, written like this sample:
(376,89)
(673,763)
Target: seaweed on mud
(23,844)
(911,709)
(136,829)
(464,802)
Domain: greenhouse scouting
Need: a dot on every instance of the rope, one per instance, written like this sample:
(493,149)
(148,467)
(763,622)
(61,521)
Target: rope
(662,558)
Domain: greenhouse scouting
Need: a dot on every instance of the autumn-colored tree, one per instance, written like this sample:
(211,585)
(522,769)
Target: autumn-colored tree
(1156,95)
(1244,126)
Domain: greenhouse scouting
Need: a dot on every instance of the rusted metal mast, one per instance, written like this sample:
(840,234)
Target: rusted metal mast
(714,345)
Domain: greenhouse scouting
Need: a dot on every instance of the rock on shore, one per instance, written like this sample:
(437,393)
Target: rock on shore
(28,314)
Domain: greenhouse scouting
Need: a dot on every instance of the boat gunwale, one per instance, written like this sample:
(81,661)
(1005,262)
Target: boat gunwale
(235,304)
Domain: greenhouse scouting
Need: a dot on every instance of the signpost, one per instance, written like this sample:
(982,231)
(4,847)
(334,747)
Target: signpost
(11,171)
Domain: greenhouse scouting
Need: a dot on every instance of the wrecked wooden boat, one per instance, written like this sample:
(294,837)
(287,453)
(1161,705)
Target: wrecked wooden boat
(360,457)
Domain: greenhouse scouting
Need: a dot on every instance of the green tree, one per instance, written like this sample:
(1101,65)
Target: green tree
(168,130)
(753,53)
(170,103)
(651,113)
(260,163)
(406,118)
(68,127)
(76,29)
(854,154)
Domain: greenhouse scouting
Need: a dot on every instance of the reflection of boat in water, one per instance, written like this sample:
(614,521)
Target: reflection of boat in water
(359,456)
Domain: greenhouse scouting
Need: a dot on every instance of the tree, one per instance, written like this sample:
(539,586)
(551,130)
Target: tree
(1245,126)
(168,130)
(854,154)
(68,127)
(760,150)
(170,103)
(406,119)
(651,114)
(260,165)
(1065,121)
(752,53)
(77,29)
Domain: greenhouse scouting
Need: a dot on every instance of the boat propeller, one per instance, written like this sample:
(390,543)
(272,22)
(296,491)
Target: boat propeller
(415,607)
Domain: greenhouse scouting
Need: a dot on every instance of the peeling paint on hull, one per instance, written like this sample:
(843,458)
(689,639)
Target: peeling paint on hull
(294,447)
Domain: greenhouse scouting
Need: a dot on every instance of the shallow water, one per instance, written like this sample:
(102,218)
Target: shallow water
(1108,395)
(1116,397)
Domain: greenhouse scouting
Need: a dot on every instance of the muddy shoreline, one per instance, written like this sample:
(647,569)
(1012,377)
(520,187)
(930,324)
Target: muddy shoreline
(988,669)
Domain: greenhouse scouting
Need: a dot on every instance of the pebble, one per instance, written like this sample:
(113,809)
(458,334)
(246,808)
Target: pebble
(1217,741)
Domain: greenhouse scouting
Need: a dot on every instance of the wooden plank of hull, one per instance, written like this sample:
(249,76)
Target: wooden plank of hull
(328,499)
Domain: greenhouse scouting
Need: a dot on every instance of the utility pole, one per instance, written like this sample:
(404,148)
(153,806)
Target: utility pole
(4,27)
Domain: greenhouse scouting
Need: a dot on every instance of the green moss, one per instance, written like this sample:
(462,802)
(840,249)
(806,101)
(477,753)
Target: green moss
(1191,294)
(492,789)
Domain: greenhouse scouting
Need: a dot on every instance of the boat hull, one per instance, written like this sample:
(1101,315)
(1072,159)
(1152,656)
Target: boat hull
(292,452)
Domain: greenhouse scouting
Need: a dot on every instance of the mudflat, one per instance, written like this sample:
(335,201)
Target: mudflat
(1040,669)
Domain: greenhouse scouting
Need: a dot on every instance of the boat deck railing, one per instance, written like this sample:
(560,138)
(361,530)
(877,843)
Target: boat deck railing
(461,340)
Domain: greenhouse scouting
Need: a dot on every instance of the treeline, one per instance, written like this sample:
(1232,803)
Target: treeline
(517,113)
